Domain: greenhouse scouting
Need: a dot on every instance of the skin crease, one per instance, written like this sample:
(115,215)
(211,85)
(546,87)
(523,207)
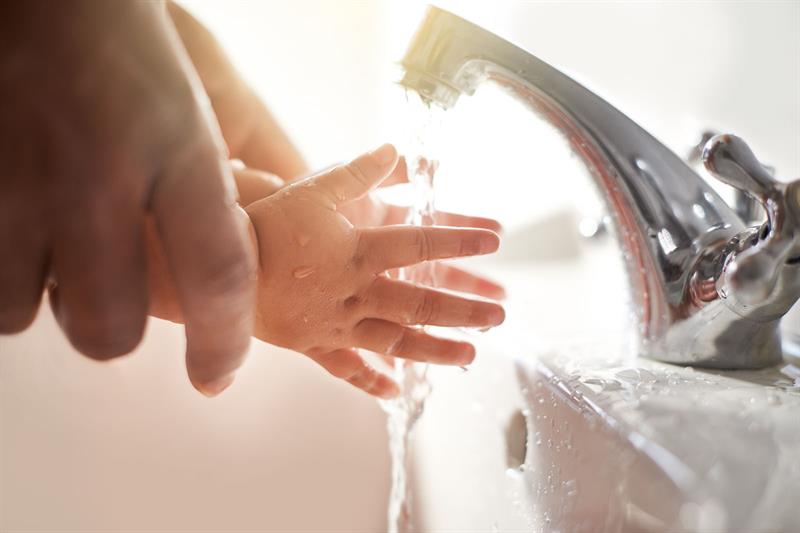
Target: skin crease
(105,124)
(118,234)
(322,286)
(254,185)
(255,138)
(251,133)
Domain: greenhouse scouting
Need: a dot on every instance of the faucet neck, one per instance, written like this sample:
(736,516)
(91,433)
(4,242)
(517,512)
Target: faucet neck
(674,229)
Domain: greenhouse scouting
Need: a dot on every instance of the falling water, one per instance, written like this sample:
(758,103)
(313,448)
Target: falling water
(404,411)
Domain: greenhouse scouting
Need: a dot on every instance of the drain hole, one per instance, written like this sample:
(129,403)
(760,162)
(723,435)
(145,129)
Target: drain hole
(516,440)
(793,260)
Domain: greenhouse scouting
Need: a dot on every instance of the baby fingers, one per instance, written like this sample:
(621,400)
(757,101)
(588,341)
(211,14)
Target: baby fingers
(390,247)
(407,303)
(348,365)
(345,183)
(453,278)
(388,338)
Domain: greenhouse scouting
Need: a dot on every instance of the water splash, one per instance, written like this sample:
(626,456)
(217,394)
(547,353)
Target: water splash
(404,411)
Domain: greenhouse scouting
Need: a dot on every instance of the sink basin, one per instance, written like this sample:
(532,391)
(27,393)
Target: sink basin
(552,430)
(645,446)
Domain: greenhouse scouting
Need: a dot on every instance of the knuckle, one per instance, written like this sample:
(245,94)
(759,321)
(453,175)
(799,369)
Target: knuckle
(356,173)
(364,377)
(422,243)
(169,121)
(425,309)
(359,251)
(476,314)
(179,118)
(354,373)
(228,276)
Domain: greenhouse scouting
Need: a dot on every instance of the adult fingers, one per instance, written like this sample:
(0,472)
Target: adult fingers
(350,366)
(345,183)
(212,262)
(407,303)
(253,185)
(397,214)
(24,263)
(162,299)
(456,279)
(99,264)
(389,338)
(390,247)
(250,130)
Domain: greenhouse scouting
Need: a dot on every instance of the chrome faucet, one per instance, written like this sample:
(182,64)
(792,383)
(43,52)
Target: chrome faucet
(708,290)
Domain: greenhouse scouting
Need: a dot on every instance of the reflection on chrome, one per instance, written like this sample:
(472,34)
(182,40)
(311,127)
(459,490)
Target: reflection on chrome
(707,290)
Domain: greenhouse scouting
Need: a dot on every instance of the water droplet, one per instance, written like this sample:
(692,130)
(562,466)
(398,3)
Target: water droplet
(303,272)
(773,399)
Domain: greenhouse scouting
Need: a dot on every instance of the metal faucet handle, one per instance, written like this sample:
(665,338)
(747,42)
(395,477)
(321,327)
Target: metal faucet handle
(754,272)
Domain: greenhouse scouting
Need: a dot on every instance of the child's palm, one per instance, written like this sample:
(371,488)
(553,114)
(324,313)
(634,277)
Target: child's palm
(323,289)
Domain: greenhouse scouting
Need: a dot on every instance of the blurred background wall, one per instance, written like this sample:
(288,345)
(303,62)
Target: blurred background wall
(130,446)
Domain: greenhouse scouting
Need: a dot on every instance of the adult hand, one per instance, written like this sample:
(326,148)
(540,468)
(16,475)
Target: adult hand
(104,122)
(250,131)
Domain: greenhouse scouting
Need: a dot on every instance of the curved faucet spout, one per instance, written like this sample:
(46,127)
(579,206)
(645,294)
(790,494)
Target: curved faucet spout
(677,234)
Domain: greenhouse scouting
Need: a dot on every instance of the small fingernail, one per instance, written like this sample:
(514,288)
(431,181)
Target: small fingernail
(497,315)
(215,387)
(489,243)
(467,354)
(392,392)
(384,154)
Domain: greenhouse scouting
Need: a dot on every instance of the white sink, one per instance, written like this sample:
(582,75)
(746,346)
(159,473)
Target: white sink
(551,430)
(654,447)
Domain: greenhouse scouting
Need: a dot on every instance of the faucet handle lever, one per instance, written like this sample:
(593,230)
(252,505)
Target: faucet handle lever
(729,159)
(754,272)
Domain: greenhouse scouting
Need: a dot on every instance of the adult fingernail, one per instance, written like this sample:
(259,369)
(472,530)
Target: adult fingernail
(384,154)
(215,387)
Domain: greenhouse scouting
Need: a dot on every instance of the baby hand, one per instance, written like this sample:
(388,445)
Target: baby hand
(323,290)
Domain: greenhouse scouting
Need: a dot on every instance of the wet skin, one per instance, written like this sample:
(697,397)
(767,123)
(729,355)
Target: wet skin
(323,288)
(119,172)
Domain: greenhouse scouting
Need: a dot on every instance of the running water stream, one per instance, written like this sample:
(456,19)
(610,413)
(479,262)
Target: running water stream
(404,411)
